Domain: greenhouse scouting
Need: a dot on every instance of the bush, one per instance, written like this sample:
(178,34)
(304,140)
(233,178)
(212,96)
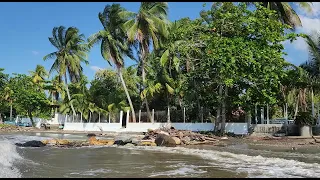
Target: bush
(305,119)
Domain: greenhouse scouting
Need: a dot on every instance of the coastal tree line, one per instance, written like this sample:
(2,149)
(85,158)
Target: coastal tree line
(228,60)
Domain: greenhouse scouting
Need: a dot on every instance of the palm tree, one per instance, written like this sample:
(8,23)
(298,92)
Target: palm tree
(39,76)
(147,26)
(71,52)
(55,89)
(287,14)
(113,42)
(7,96)
(312,66)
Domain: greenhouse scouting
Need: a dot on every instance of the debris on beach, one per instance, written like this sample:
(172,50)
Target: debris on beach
(169,137)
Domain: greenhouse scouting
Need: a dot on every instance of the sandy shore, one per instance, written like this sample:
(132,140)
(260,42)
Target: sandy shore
(267,143)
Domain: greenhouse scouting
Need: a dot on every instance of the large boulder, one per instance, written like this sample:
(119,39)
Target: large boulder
(123,139)
(186,140)
(165,140)
(177,140)
(31,144)
(94,141)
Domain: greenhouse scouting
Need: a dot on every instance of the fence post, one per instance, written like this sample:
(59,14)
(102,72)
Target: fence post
(256,113)
(248,120)
(201,114)
(121,114)
(267,113)
(109,117)
(152,120)
(168,118)
(184,115)
(72,117)
(139,115)
(81,117)
(127,119)
(99,118)
(262,114)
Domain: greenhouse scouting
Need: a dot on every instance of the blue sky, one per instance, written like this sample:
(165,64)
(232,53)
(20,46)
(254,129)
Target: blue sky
(25,28)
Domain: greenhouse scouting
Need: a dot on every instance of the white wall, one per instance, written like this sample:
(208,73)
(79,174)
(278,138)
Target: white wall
(92,126)
(237,128)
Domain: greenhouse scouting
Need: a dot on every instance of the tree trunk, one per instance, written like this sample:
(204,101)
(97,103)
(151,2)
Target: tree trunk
(128,96)
(312,103)
(1,121)
(223,111)
(144,53)
(10,110)
(218,119)
(69,97)
(297,106)
(30,116)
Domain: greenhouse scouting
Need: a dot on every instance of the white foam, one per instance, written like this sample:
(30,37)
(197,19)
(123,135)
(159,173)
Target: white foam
(8,155)
(91,172)
(183,170)
(255,166)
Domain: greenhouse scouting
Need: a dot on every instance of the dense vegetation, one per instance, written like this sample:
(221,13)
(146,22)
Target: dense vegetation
(222,64)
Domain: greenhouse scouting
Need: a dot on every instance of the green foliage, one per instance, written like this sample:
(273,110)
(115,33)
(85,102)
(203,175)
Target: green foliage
(305,119)
(27,99)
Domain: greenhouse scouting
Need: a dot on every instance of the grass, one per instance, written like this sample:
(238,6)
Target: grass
(6,125)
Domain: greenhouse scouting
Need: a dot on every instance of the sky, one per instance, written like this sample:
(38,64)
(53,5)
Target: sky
(26,26)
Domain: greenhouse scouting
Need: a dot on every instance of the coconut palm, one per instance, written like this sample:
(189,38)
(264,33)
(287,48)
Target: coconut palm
(147,26)
(56,89)
(113,42)
(287,14)
(39,76)
(7,96)
(71,52)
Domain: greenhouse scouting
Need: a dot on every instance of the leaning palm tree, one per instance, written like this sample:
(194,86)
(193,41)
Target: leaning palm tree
(147,26)
(113,42)
(71,52)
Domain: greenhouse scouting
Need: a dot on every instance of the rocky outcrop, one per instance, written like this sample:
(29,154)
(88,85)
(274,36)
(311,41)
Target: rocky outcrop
(169,137)
(172,137)
(31,144)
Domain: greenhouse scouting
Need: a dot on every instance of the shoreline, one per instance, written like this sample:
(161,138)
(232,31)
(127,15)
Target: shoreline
(269,143)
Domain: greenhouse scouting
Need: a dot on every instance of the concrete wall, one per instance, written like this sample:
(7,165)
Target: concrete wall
(92,126)
(237,128)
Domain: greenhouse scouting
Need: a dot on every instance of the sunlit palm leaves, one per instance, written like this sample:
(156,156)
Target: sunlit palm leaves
(71,52)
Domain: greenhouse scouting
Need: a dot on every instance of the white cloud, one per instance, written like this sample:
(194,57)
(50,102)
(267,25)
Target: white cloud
(300,44)
(96,68)
(35,52)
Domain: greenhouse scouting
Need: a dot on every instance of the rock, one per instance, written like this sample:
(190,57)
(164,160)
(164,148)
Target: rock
(135,140)
(31,144)
(186,140)
(224,138)
(119,142)
(177,140)
(146,143)
(163,132)
(62,142)
(165,140)
(129,145)
(90,135)
(94,141)
(172,127)
(124,138)
(180,134)
(150,130)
